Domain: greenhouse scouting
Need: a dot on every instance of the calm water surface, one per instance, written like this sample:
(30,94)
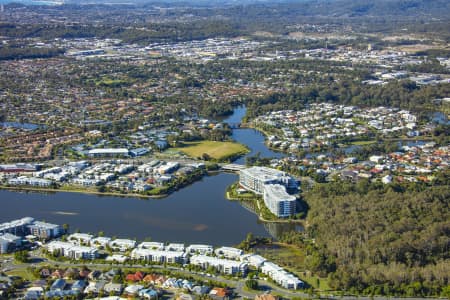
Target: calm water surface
(199,213)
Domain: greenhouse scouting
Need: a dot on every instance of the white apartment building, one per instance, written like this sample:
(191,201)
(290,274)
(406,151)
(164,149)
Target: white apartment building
(200,249)
(253,260)
(229,252)
(122,244)
(45,230)
(278,201)
(23,180)
(151,245)
(175,247)
(101,241)
(280,276)
(159,256)
(71,251)
(80,238)
(222,265)
(17,227)
(9,242)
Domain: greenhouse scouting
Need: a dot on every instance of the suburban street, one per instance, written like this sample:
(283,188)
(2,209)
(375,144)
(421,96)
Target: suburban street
(7,264)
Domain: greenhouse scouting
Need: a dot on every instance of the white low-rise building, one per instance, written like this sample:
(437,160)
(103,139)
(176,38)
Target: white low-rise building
(200,249)
(122,244)
(23,180)
(175,247)
(151,245)
(229,252)
(280,276)
(44,230)
(80,238)
(253,260)
(111,152)
(101,241)
(117,257)
(226,266)
(9,242)
(169,167)
(71,251)
(159,256)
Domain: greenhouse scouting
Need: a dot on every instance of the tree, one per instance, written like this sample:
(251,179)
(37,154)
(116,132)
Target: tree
(101,188)
(22,256)
(251,284)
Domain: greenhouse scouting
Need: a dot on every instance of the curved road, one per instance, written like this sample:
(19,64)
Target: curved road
(237,284)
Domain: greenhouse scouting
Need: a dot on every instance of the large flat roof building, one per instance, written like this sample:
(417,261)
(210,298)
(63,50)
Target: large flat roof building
(254,179)
(272,184)
(111,152)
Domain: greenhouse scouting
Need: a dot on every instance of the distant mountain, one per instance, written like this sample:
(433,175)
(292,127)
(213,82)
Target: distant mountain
(339,8)
(424,9)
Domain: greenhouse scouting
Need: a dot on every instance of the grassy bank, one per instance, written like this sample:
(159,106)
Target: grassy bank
(71,189)
(218,151)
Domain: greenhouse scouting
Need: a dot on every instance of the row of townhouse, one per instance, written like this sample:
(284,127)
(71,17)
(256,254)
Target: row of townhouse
(159,256)
(226,266)
(24,180)
(227,260)
(280,276)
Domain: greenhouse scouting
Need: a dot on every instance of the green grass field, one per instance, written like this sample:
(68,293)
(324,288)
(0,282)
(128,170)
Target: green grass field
(363,143)
(24,273)
(218,151)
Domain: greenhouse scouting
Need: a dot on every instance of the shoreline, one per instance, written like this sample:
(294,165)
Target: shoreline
(112,194)
(37,189)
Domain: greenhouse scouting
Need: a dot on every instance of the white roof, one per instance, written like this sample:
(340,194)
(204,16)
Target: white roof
(109,151)
(133,289)
(158,253)
(278,193)
(264,173)
(80,236)
(217,261)
(148,245)
(123,242)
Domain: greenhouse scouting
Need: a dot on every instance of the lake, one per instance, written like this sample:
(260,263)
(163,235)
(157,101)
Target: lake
(199,213)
